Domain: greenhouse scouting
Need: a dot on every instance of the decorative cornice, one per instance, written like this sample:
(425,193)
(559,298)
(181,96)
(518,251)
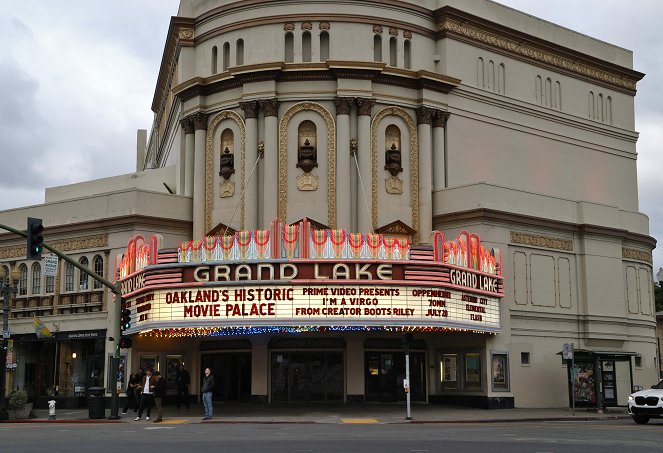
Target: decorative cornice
(343,105)
(364,106)
(270,107)
(250,109)
(393,31)
(637,254)
(452,22)
(324,26)
(64,245)
(425,115)
(377,29)
(548,242)
(307,26)
(199,121)
(407,34)
(288,27)
(187,125)
(440,119)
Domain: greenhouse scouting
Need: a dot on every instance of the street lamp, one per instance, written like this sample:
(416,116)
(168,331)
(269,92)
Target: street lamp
(7,290)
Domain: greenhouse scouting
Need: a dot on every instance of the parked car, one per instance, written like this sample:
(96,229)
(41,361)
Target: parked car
(646,404)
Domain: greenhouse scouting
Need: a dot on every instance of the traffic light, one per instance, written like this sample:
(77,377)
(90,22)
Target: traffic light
(125,319)
(35,239)
(125,342)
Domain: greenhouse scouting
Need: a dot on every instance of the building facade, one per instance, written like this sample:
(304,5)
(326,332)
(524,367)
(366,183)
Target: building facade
(473,151)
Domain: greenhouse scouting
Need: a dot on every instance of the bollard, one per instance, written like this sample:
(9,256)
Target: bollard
(51,410)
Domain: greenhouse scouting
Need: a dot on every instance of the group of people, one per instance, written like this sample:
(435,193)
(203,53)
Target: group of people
(147,388)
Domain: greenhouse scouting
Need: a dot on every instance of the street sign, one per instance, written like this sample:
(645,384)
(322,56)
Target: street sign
(567,351)
(50,265)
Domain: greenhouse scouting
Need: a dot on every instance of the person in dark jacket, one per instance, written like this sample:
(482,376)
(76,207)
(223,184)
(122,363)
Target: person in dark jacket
(182,381)
(131,394)
(147,397)
(206,390)
(159,395)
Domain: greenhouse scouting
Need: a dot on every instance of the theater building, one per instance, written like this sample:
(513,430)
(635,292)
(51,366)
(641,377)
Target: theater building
(328,188)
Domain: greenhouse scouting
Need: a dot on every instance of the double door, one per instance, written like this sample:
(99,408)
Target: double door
(307,376)
(385,371)
(232,375)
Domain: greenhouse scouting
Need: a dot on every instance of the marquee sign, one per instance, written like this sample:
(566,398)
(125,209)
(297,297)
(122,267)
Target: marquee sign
(279,278)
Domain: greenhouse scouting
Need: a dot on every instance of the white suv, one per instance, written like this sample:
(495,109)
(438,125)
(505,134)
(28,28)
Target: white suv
(646,404)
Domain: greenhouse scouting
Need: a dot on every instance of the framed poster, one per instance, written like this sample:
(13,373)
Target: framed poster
(499,365)
(111,383)
(149,361)
(473,371)
(172,364)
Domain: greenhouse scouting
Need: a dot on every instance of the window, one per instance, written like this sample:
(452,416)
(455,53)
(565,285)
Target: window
(36,278)
(289,47)
(226,56)
(324,46)
(638,361)
(23,281)
(377,48)
(393,52)
(69,277)
(524,358)
(98,269)
(472,371)
(306,46)
(239,55)
(215,55)
(82,276)
(407,55)
(449,371)
(7,277)
(50,284)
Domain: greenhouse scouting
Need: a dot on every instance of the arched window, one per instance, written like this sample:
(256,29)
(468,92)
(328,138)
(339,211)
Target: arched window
(407,56)
(239,55)
(36,279)
(68,277)
(324,46)
(226,56)
(392,152)
(82,276)
(538,90)
(590,102)
(23,280)
(215,56)
(393,52)
(289,47)
(558,95)
(98,269)
(377,48)
(481,80)
(227,155)
(307,153)
(50,284)
(306,46)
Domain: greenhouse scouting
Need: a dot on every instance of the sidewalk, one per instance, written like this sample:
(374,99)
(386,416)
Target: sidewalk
(336,414)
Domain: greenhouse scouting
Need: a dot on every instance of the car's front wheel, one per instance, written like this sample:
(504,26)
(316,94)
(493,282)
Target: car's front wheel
(640,419)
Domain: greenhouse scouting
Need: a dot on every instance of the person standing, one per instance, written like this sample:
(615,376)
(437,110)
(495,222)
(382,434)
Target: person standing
(159,395)
(131,394)
(137,387)
(147,398)
(206,390)
(182,380)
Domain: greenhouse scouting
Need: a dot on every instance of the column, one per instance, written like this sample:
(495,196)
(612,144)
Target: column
(200,126)
(424,120)
(270,183)
(185,172)
(364,208)
(344,164)
(439,151)
(251,191)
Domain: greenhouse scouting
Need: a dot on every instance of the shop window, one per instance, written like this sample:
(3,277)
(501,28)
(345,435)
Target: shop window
(69,277)
(638,361)
(306,46)
(215,56)
(289,47)
(524,358)
(377,48)
(449,371)
(239,55)
(23,280)
(472,371)
(407,54)
(226,56)
(324,46)
(36,278)
(82,276)
(98,269)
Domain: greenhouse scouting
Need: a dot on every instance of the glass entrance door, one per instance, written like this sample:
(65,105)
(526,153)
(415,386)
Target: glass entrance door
(307,376)
(232,375)
(609,382)
(385,372)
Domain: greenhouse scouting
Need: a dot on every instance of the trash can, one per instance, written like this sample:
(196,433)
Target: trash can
(96,402)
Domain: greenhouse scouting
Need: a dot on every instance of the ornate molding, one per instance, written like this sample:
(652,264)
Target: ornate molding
(65,245)
(324,26)
(425,115)
(343,105)
(187,125)
(364,106)
(637,254)
(394,185)
(307,26)
(440,119)
(377,29)
(548,242)
(407,34)
(199,121)
(250,109)
(331,159)
(307,182)
(288,27)
(520,47)
(393,31)
(270,107)
(414,165)
(185,33)
(226,189)
(209,162)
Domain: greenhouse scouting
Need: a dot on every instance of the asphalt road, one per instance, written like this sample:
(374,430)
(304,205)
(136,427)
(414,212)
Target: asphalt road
(533,437)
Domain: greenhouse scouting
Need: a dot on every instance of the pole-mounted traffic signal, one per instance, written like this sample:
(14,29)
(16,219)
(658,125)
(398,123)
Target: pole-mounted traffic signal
(35,245)
(125,319)
(125,343)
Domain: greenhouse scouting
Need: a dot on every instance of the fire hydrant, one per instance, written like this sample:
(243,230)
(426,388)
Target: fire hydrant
(51,410)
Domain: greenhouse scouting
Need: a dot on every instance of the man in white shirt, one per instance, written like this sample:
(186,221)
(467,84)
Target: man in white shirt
(147,398)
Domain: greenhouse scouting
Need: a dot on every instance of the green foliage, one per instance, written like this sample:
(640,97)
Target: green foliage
(658,297)
(18,399)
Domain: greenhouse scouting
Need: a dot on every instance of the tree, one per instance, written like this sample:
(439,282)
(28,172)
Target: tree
(658,297)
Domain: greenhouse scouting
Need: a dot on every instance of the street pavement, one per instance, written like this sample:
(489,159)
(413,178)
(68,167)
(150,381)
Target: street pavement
(334,414)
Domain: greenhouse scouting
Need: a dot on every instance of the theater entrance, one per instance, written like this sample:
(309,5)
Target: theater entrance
(307,376)
(232,375)
(385,371)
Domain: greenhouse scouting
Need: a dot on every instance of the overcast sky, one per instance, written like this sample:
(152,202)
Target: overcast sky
(77,79)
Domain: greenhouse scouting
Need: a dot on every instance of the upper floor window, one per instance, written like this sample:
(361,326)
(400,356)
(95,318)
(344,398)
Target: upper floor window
(23,280)
(289,47)
(68,277)
(239,54)
(98,269)
(306,46)
(393,51)
(377,48)
(82,276)
(36,278)
(324,46)
(215,56)
(226,56)
(407,54)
